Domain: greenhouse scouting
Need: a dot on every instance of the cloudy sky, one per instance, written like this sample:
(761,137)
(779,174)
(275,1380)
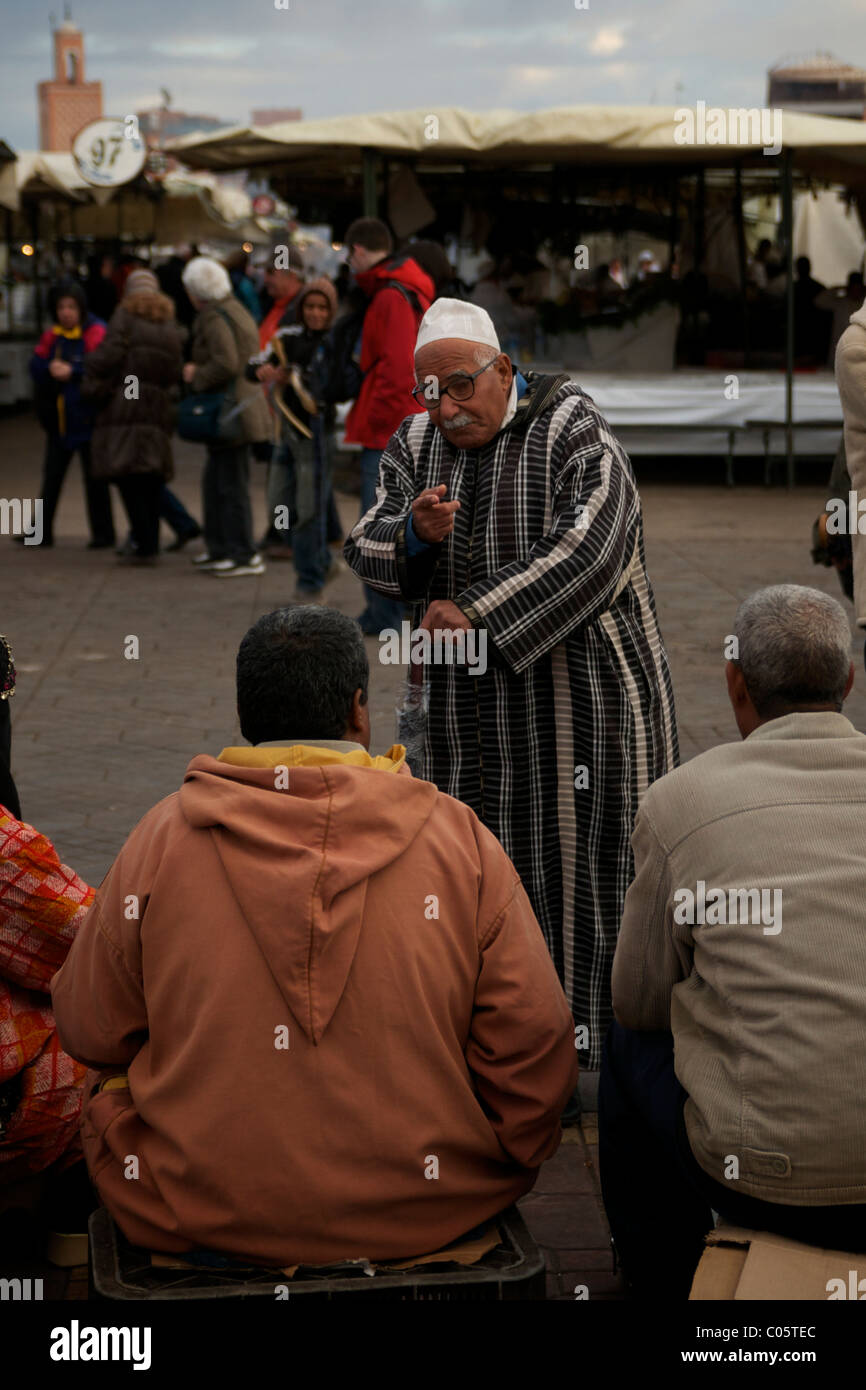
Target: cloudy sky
(336,57)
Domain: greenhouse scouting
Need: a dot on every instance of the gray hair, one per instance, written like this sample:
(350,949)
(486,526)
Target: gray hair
(205,279)
(794,648)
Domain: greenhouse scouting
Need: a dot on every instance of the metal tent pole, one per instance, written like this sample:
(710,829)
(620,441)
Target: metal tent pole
(742,263)
(371,203)
(788,224)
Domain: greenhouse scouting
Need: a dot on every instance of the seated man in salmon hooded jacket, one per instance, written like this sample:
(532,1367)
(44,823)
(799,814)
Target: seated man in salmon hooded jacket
(325,1018)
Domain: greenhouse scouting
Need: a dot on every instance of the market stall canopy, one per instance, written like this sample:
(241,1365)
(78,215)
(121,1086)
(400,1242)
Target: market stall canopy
(39,174)
(582,135)
(183,207)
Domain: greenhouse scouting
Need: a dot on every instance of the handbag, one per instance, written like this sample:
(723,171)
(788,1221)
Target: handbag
(208,417)
(205,417)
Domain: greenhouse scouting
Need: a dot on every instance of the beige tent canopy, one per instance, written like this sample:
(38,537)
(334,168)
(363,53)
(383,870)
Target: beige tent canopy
(187,207)
(39,174)
(583,135)
(329,154)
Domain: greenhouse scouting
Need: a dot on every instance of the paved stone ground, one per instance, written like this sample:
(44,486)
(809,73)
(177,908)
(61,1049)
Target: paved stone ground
(97,738)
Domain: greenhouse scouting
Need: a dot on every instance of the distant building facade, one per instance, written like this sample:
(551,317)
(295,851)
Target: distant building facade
(819,86)
(159,124)
(67,102)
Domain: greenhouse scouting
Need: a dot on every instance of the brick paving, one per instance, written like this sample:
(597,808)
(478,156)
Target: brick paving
(97,738)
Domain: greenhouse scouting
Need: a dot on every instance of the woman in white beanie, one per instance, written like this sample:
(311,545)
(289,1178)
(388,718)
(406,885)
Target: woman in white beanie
(224,338)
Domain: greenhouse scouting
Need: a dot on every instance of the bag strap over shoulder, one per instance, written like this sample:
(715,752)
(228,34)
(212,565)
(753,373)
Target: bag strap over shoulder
(230,321)
(410,296)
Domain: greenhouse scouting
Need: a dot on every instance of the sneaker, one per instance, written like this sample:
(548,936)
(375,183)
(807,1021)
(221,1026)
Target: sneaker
(205,561)
(233,569)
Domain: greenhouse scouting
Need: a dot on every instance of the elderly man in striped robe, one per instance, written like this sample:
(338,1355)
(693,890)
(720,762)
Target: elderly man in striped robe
(510,508)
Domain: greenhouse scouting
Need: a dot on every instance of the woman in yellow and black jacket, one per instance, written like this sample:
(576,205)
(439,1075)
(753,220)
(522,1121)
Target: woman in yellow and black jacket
(57,368)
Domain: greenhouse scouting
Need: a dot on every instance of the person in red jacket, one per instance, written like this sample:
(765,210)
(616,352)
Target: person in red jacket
(400,293)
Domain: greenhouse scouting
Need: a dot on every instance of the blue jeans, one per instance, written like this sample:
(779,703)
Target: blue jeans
(172,510)
(659,1200)
(302,481)
(380,612)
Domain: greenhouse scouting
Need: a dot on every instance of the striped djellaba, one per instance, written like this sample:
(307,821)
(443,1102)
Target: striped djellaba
(554,745)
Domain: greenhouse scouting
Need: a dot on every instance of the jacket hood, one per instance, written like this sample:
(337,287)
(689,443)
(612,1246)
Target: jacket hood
(299,831)
(403,268)
(149,304)
(321,286)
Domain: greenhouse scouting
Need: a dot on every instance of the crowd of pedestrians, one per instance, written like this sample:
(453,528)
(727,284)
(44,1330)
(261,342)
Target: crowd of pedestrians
(195,348)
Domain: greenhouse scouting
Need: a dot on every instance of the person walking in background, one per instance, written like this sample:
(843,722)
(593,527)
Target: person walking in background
(432,257)
(283,282)
(170,276)
(132,372)
(101,294)
(812,325)
(224,340)
(399,293)
(57,367)
(301,470)
(236,265)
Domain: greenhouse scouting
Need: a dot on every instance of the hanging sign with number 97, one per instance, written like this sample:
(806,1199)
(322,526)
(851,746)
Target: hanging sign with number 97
(110,152)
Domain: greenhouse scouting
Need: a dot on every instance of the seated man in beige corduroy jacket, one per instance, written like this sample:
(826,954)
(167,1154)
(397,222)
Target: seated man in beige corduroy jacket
(734,1077)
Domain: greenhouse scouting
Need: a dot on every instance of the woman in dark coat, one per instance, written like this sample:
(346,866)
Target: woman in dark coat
(135,371)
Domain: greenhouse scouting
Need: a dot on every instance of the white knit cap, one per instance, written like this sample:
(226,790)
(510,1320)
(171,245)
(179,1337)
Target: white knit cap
(454,318)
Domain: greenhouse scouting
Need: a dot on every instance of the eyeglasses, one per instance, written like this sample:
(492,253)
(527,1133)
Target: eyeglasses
(460,388)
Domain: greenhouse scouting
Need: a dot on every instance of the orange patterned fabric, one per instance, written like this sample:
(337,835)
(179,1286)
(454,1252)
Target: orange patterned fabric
(42,903)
